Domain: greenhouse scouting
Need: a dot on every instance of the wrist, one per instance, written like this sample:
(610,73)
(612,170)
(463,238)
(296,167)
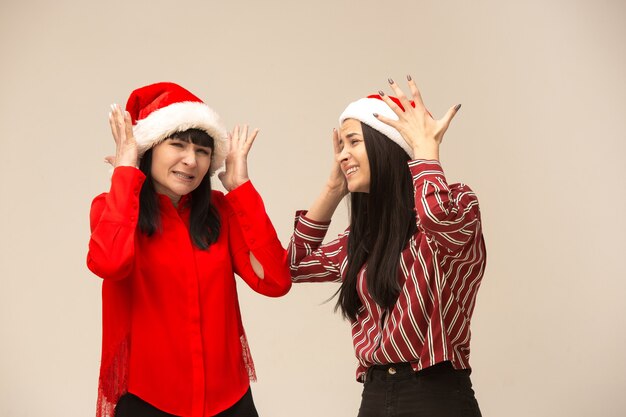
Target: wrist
(126,164)
(239,182)
(334,192)
(426,153)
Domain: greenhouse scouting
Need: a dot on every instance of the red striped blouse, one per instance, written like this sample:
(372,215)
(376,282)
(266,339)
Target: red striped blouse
(440,272)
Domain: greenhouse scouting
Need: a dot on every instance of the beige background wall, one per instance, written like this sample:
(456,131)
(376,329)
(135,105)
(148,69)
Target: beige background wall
(540,138)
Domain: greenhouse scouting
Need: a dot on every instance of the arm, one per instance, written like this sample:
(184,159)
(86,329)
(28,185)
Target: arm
(114,216)
(309,260)
(448,214)
(253,239)
(113,221)
(254,244)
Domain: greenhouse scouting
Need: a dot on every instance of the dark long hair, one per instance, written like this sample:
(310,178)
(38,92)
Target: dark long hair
(381,223)
(204,220)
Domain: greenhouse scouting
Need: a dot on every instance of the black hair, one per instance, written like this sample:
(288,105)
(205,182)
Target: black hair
(204,220)
(381,223)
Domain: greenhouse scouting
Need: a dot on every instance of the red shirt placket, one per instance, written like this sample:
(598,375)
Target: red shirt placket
(194,324)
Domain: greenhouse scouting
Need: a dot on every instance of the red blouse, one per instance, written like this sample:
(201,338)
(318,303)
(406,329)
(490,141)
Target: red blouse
(172,329)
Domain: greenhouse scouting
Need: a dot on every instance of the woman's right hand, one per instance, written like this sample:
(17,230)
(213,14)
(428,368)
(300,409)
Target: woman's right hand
(336,183)
(125,144)
(335,190)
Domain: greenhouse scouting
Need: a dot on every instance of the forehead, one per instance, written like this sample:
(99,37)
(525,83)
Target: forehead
(187,140)
(350,126)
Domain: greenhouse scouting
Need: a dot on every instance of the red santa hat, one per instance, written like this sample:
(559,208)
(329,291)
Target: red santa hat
(162,109)
(363,110)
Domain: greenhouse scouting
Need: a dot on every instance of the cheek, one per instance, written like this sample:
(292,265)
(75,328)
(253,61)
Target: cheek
(159,159)
(204,166)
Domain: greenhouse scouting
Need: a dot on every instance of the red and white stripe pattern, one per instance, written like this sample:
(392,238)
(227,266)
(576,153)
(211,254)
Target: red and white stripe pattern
(440,272)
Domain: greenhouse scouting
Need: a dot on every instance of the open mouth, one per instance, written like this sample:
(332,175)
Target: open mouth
(183,176)
(351,171)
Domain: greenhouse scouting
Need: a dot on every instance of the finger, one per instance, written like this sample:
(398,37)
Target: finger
(417,95)
(128,124)
(397,91)
(112,126)
(235,138)
(119,122)
(250,141)
(244,136)
(391,122)
(392,105)
(336,146)
(110,160)
(449,116)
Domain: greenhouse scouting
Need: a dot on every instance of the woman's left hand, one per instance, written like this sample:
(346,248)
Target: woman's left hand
(416,125)
(236,172)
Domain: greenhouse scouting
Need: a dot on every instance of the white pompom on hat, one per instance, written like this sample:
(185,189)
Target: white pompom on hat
(162,109)
(363,110)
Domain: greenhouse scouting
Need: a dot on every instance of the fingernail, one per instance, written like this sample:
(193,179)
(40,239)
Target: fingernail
(457,107)
(375,114)
(113,107)
(408,77)
(390,80)
(110,115)
(381,93)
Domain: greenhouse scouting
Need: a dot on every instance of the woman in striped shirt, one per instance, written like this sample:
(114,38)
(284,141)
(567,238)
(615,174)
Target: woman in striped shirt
(410,263)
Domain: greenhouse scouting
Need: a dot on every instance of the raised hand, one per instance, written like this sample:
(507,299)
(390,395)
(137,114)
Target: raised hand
(337,181)
(416,125)
(125,144)
(236,172)
(334,191)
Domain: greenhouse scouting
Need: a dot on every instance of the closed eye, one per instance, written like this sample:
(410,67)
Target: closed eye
(176,143)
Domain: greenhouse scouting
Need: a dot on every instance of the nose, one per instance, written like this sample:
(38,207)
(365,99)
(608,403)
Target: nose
(189,158)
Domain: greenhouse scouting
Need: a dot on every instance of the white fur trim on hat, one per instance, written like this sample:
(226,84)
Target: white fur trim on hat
(178,117)
(363,109)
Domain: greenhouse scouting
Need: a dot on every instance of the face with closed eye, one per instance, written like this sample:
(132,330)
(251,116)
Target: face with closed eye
(178,167)
(353,156)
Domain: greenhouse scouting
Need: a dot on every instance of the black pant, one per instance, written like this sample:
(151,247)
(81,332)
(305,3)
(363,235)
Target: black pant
(395,390)
(132,406)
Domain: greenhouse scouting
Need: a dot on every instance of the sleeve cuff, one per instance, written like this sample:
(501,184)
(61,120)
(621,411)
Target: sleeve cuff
(244,198)
(309,231)
(425,168)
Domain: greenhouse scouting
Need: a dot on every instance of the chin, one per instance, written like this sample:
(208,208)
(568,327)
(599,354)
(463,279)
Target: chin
(357,189)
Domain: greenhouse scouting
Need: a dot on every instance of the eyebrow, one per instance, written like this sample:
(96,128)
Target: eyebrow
(351,134)
(208,148)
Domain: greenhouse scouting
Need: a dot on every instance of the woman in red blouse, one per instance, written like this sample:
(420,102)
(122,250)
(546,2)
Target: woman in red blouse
(410,263)
(167,248)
